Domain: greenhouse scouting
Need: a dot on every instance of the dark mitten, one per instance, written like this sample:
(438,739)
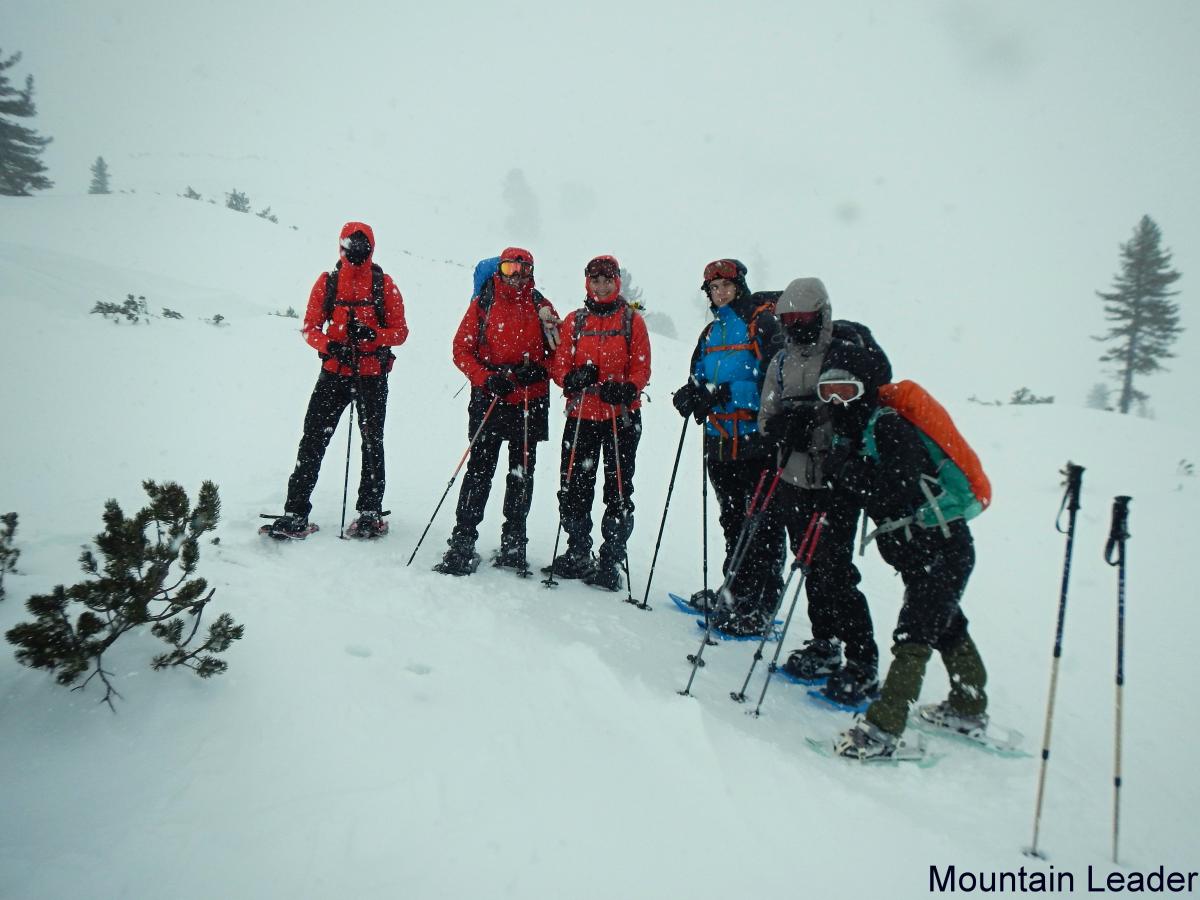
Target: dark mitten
(618,393)
(792,426)
(529,373)
(339,351)
(686,399)
(500,385)
(581,377)
(360,332)
(720,393)
(855,476)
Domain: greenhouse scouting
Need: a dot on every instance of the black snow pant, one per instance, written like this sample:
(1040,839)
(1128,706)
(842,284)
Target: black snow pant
(509,422)
(758,578)
(836,607)
(577,492)
(935,570)
(331,395)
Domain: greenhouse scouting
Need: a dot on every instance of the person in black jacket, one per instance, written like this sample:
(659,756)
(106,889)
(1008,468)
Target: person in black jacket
(727,370)
(886,473)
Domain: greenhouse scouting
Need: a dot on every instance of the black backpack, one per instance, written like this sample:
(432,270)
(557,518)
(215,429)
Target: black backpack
(331,300)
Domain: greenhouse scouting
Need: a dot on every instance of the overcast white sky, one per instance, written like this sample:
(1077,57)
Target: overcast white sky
(976,163)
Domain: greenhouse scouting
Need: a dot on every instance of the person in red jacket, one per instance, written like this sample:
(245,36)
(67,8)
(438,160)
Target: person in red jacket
(602,364)
(355,316)
(503,345)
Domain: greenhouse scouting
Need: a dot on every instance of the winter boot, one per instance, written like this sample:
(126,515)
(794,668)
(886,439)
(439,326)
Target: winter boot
(572,564)
(511,554)
(852,685)
(460,559)
(369,524)
(705,601)
(865,742)
(743,618)
(943,715)
(815,661)
(290,526)
(606,575)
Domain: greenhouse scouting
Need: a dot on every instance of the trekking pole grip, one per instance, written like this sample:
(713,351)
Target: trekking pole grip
(1118,531)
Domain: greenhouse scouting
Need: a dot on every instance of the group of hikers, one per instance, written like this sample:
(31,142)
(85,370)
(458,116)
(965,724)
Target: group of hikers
(796,430)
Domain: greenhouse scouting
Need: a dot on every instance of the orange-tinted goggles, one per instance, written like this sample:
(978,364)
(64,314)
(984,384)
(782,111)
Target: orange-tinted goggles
(516,267)
(842,392)
(722,268)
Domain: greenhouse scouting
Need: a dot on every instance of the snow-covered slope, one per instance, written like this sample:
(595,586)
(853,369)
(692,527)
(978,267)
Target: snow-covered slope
(385,731)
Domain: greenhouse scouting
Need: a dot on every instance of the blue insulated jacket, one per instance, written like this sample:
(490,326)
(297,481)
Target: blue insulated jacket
(726,354)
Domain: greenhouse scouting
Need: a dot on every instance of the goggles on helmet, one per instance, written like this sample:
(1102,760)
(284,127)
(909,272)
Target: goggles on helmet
(723,268)
(792,319)
(509,267)
(843,391)
(602,268)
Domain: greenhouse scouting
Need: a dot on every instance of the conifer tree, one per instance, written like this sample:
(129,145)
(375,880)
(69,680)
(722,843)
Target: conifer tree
(8,553)
(145,578)
(20,146)
(1144,320)
(237,201)
(99,177)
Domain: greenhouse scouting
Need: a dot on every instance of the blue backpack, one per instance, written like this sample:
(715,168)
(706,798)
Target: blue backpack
(484,270)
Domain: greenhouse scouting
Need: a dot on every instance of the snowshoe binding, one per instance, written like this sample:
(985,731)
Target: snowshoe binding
(458,561)
(288,527)
(512,557)
(367,526)
(571,565)
(941,718)
(851,688)
(604,576)
(867,743)
(814,662)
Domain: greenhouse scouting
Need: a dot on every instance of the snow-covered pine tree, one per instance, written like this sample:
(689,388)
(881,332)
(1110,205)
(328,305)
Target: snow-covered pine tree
(1145,321)
(99,177)
(237,201)
(146,578)
(8,553)
(190,194)
(21,169)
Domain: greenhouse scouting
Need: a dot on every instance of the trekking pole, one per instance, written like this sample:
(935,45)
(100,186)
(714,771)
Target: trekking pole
(525,572)
(1070,502)
(645,604)
(354,392)
(808,546)
(749,526)
(1117,535)
(549,580)
(797,563)
(704,513)
(450,484)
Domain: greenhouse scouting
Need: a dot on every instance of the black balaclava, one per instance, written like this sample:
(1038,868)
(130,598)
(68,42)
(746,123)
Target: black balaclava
(357,248)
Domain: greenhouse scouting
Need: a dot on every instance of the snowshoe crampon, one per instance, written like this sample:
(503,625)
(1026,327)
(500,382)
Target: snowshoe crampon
(288,527)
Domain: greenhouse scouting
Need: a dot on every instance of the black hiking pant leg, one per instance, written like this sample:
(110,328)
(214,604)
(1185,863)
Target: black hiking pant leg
(617,524)
(935,571)
(372,413)
(476,487)
(518,491)
(330,396)
(836,607)
(576,493)
(734,483)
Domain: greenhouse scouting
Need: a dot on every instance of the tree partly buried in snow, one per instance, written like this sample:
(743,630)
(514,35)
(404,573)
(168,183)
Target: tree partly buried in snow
(99,177)
(237,201)
(1144,321)
(21,168)
(146,577)
(8,553)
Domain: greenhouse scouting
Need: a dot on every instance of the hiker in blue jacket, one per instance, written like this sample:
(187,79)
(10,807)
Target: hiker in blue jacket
(884,462)
(727,370)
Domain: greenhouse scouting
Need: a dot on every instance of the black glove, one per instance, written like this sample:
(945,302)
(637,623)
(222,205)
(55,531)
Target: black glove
(500,385)
(339,351)
(361,333)
(581,377)
(529,373)
(792,426)
(855,476)
(686,399)
(719,395)
(618,393)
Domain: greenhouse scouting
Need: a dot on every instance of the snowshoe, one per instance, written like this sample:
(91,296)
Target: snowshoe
(865,743)
(512,558)
(607,577)
(289,527)
(814,662)
(704,601)
(458,561)
(852,687)
(571,564)
(940,718)
(368,525)
(741,621)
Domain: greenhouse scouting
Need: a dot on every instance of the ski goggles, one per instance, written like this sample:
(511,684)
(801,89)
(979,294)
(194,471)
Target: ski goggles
(510,267)
(722,268)
(602,268)
(843,391)
(792,319)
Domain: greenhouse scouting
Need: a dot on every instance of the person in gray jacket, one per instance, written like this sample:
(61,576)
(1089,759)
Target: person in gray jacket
(792,415)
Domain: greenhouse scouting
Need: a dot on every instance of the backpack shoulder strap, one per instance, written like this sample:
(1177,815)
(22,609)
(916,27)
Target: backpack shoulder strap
(331,286)
(377,295)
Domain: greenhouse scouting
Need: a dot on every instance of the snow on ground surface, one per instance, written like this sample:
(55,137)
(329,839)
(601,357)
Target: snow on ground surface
(385,731)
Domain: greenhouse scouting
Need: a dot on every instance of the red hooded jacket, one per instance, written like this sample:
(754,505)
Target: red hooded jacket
(354,284)
(512,328)
(616,360)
